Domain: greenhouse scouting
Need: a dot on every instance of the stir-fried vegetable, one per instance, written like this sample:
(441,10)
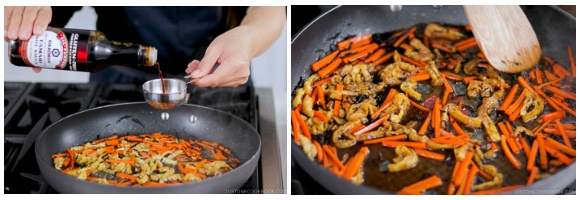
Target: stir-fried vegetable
(145,160)
(438,100)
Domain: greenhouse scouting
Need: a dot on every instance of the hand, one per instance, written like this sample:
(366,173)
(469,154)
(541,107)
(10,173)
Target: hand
(232,51)
(21,22)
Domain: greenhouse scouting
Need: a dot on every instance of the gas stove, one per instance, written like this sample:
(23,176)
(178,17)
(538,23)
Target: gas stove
(31,107)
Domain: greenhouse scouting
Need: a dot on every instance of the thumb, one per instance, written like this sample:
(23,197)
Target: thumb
(206,64)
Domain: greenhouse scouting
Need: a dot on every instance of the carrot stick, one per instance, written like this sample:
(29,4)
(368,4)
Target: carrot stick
(320,82)
(568,150)
(320,116)
(406,46)
(386,103)
(430,154)
(561,71)
(416,105)
(451,188)
(565,107)
(532,156)
(384,58)
(512,145)
(550,76)
(321,98)
(303,126)
(537,89)
(564,135)
(437,117)
(497,190)
(356,163)
(372,126)
(469,180)
(539,78)
(402,38)
(463,168)
(517,103)
(390,138)
(324,61)
(509,154)
(375,56)
(425,124)
(467,46)
(448,87)
(572,61)
(333,157)
(466,41)
(532,175)
(510,97)
(525,145)
(423,185)
(441,47)
(542,151)
(319,153)
(554,116)
(452,76)
(469,79)
(420,77)
(561,157)
(523,82)
(415,145)
(346,43)
(330,68)
(411,61)
(361,54)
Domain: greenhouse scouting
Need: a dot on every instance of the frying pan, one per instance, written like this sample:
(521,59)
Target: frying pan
(555,30)
(187,122)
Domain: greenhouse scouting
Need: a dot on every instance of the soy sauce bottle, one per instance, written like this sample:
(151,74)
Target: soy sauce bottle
(78,50)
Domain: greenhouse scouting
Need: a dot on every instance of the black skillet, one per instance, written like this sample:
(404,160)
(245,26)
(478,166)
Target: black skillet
(555,30)
(187,122)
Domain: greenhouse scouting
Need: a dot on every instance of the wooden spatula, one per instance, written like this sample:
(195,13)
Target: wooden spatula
(505,36)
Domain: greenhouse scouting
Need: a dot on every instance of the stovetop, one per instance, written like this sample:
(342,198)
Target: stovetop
(31,107)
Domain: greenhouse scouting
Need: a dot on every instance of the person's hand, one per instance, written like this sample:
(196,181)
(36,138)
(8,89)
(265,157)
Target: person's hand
(232,51)
(21,22)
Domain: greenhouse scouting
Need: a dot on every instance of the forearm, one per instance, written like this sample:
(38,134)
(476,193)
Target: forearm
(264,24)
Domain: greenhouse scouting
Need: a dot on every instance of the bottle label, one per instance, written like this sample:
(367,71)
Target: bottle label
(49,50)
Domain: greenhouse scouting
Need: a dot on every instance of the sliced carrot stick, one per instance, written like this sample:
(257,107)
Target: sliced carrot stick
(467,46)
(411,61)
(509,154)
(384,58)
(524,83)
(356,163)
(497,190)
(361,54)
(568,150)
(406,46)
(561,71)
(517,103)
(402,38)
(423,185)
(390,138)
(320,116)
(572,61)
(525,145)
(550,76)
(430,154)
(539,78)
(537,89)
(532,175)
(437,117)
(356,128)
(565,107)
(564,135)
(542,151)
(375,56)
(561,157)
(554,116)
(372,125)
(469,180)
(469,79)
(324,61)
(451,188)
(333,157)
(415,145)
(420,107)
(420,77)
(441,47)
(357,39)
(425,124)
(303,126)
(452,76)
(510,97)
(463,168)
(532,74)
(330,68)
(532,156)
(512,144)
(466,41)
(386,103)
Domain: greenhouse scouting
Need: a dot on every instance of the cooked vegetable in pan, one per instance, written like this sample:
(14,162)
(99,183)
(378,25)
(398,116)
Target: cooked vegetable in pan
(145,160)
(421,111)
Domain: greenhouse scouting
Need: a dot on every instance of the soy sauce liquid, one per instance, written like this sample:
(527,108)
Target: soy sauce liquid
(161,77)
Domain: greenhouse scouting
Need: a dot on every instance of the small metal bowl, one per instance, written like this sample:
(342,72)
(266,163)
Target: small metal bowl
(175,95)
